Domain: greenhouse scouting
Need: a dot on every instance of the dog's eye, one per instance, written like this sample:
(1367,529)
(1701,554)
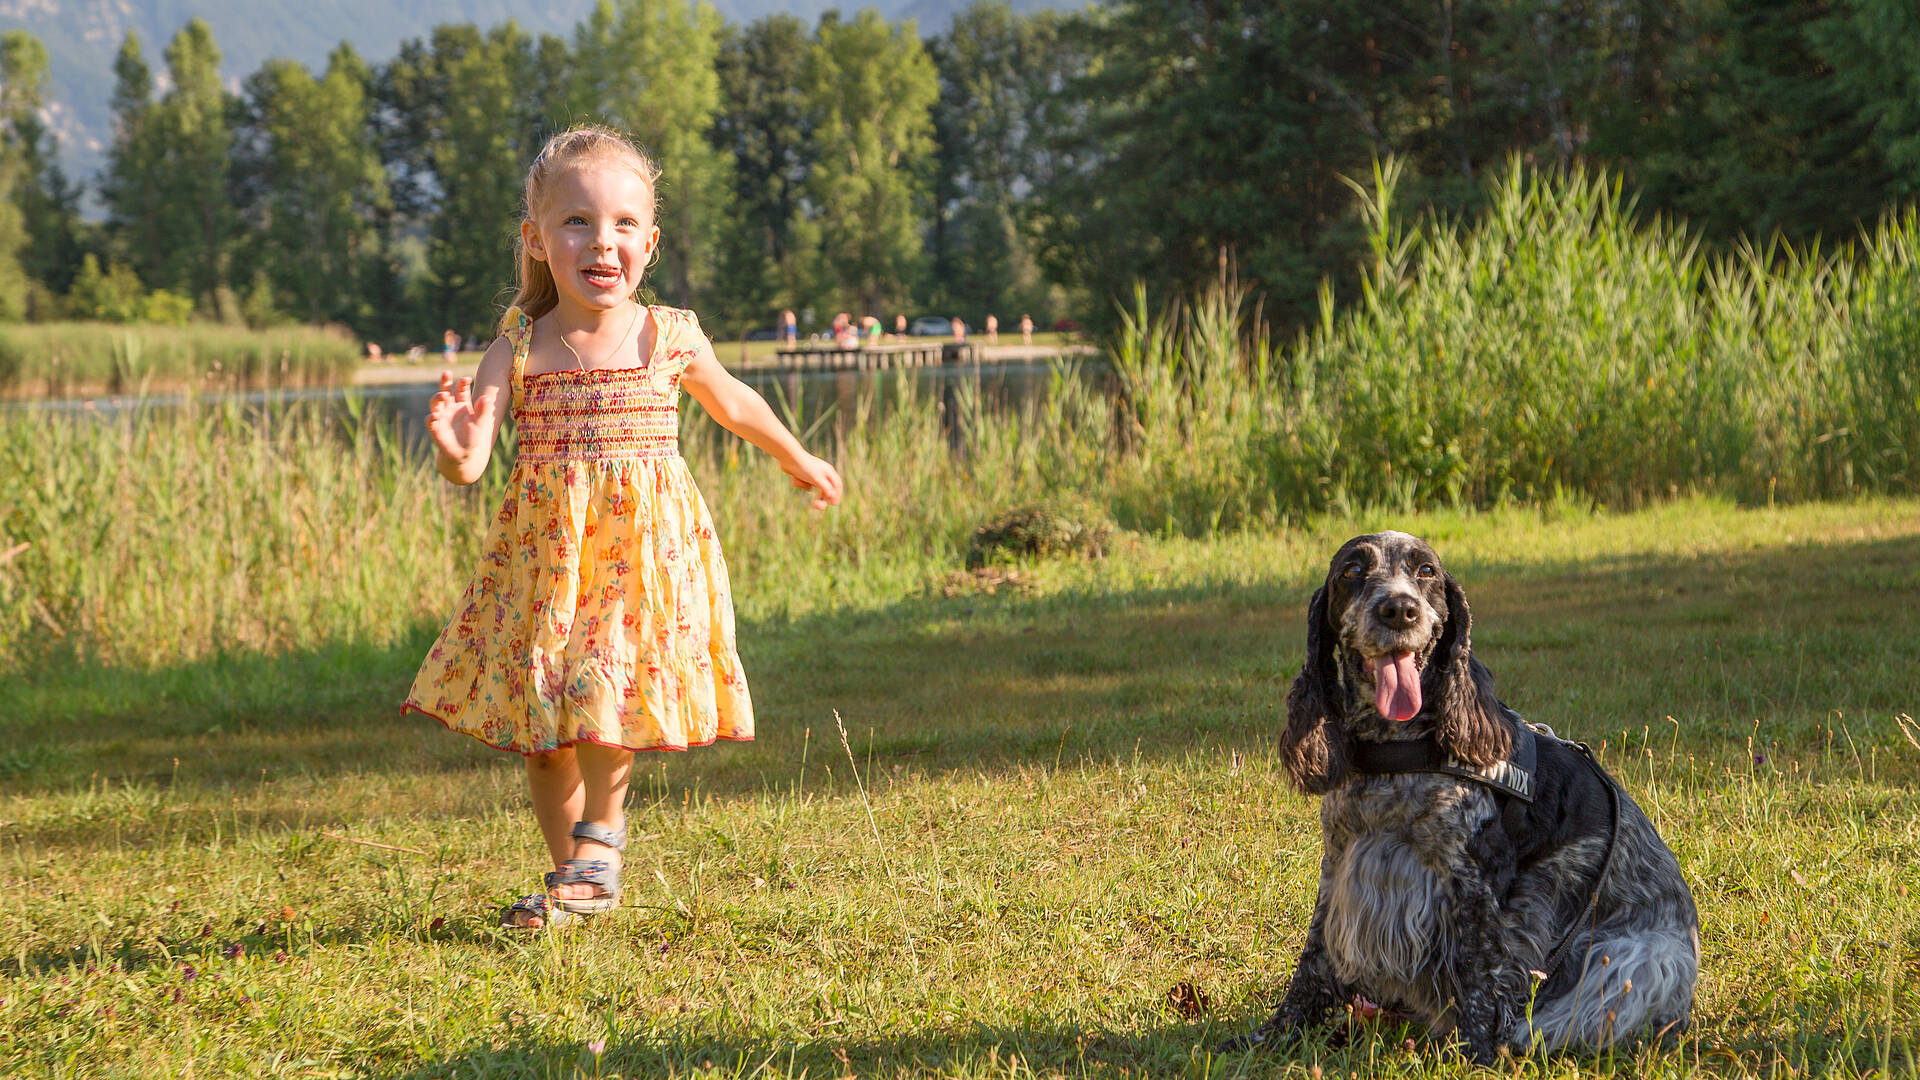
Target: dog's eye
(1427,570)
(1352,569)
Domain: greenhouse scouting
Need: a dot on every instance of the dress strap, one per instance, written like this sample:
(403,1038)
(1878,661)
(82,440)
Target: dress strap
(518,330)
(678,343)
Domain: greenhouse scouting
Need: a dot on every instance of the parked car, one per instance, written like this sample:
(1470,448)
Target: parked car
(1065,326)
(931,326)
(762,334)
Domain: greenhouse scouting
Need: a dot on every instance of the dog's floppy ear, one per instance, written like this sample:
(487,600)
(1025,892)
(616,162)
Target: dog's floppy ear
(1468,719)
(1315,745)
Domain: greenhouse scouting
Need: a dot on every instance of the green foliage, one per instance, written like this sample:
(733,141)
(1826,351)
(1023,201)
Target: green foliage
(764,127)
(869,86)
(996,74)
(471,110)
(647,66)
(163,308)
(115,295)
(322,187)
(1554,347)
(58,359)
(23,71)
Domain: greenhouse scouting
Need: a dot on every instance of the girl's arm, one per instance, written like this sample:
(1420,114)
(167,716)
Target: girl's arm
(738,409)
(464,416)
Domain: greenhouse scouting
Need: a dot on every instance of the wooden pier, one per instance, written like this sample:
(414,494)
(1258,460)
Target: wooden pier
(911,354)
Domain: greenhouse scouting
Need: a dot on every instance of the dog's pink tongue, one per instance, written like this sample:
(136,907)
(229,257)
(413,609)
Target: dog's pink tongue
(1396,686)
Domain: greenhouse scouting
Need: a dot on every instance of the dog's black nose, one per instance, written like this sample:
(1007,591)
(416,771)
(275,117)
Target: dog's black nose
(1398,612)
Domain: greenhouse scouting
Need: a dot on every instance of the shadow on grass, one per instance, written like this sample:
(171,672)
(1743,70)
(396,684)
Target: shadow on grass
(937,684)
(1159,1046)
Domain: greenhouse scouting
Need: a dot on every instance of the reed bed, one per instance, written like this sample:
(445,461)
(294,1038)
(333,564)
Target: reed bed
(1556,347)
(67,358)
(161,535)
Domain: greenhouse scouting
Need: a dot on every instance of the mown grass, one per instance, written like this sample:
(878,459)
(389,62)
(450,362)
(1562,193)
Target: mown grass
(1055,804)
(69,358)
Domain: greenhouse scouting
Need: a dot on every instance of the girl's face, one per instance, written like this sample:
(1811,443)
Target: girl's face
(596,234)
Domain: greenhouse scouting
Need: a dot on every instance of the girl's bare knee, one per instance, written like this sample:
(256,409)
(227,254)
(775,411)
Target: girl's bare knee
(551,759)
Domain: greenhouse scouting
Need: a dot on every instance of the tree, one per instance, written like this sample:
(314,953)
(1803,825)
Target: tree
(135,202)
(869,87)
(321,182)
(166,185)
(996,71)
(1214,127)
(1873,49)
(647,66)
(763,125)
(460,118)
(23,69)
(49,204)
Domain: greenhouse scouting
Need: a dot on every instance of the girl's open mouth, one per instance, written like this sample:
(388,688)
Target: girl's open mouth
(601,277)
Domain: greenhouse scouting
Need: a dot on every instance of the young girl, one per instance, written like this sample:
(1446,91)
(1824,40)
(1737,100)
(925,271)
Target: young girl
(599,622)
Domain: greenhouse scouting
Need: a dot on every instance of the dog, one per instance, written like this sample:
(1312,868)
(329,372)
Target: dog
(1477,873)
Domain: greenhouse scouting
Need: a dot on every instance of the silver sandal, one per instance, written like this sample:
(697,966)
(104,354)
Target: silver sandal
(596,872)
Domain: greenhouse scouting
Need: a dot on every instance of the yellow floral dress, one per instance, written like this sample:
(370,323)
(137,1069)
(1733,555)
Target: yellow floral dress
(600,611)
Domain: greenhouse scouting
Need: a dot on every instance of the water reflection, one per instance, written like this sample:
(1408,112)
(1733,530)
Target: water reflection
(823,402)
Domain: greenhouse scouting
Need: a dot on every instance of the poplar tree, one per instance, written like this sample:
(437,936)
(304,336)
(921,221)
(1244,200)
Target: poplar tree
(194,147)
(869,87)
(462,117)
(320,182)
(995,67)
(647,67)
(23,71)
(129,186)
(763,126)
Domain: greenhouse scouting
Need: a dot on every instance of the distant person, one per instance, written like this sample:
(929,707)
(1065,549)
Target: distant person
(1026,330)
(959,329)
(870,329)
(844,335)
(789,329)
(900,327)
(374,353)
(450,348)
(577,678)
(993,329)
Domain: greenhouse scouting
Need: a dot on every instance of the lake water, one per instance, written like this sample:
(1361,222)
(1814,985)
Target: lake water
(829,399)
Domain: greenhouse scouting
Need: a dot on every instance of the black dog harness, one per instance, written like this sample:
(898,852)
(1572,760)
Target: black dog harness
(1512,782)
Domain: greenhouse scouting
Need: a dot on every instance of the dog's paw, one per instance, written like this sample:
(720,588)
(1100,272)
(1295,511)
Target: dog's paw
(1257,1039)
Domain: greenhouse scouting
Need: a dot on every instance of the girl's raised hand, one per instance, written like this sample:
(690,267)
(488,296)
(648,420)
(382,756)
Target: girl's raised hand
(457,422)
(811,472)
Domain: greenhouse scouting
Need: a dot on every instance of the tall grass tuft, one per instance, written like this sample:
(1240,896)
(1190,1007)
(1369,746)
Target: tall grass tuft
(61,359)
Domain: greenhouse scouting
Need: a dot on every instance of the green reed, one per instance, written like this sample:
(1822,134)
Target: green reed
(58,359)
(158,535)
(1555,347)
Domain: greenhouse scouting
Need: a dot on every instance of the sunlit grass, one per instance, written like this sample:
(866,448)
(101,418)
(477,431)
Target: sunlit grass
(1074,807)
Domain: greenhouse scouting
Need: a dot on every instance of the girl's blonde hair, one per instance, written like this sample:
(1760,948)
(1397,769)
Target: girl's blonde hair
(536,293)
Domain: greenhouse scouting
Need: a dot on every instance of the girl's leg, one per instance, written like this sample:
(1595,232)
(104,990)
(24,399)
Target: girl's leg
(553,781)
(603,780)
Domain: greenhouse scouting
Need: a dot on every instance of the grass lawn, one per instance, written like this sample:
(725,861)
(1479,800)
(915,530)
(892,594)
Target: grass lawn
(1054,804)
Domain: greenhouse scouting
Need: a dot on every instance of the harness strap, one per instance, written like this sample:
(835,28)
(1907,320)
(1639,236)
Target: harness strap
(1551,965)
(1513,781)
